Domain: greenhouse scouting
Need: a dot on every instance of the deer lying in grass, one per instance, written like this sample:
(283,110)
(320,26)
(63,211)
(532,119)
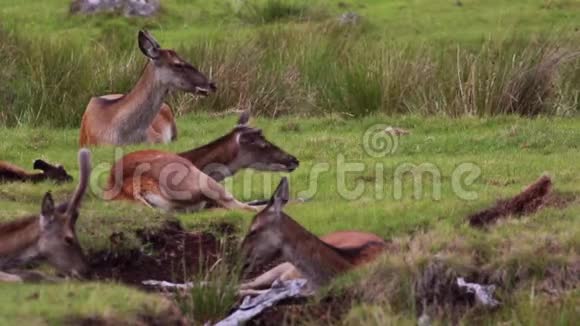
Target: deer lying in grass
(243,147)
(141,116)
(50,236)
(273,233)
(144,175)
(12,173)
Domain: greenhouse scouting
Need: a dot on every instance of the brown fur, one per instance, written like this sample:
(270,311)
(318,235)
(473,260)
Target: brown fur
(163,121)
(140,115)
(526,202)
(11,172)
(232,151)
(192,184)
(48,236)
(221,151)
(18,234)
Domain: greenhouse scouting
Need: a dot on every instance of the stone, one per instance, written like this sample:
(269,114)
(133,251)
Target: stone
(142,8)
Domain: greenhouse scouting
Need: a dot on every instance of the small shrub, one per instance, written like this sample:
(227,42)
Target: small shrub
(270,11)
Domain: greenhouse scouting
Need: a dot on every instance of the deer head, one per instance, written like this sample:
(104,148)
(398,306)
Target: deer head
(56,173)
(257,152)
(264,239)
(58,242)
(172,70)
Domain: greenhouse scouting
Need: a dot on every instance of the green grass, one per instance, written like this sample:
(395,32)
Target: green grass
(414,21)
(448,73)
(33,304)
(299,60)
(511,152)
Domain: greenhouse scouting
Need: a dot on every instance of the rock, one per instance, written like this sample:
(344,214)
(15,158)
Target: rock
(144,8)
(349,18)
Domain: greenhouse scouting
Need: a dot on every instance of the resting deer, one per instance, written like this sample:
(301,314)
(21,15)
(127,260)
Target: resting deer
(12,173)
(50,236)
(274,234)
(141,115)
(243,147)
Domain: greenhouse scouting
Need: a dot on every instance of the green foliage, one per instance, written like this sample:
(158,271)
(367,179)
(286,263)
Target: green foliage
(269,11)
(510,151)
(280,72)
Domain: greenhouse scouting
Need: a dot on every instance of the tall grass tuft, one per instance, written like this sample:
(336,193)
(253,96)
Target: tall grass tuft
(270,11)
(298,70)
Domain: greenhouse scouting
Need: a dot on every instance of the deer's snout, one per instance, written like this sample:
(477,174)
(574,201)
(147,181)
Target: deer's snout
(293,165)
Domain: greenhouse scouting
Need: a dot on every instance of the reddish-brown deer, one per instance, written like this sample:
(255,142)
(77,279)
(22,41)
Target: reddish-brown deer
(242,148)
(12,173)
(274,234)
(143,175)
(141,115)
(50,236)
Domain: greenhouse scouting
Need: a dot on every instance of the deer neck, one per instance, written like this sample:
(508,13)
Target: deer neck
(216,156)
(18,242)
(140,106)
(36,177)
(316,260)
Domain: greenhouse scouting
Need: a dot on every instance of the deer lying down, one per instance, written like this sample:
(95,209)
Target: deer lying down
(12,173)
(174,181)
(49,237)
(273,233)
(167,181)
(242,148)
(141,115)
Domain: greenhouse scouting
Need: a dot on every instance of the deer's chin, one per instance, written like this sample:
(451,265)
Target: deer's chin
(201,91)
(280,168)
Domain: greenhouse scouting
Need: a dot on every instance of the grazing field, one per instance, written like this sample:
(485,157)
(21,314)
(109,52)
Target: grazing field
(523,256)
(489,91)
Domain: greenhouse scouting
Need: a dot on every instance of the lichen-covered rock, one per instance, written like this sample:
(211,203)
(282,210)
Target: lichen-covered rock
(124,7)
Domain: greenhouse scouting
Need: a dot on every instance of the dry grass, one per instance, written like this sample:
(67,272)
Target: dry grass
(285,71)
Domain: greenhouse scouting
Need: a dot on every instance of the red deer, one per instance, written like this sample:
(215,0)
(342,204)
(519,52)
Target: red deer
(141,115)
(243,147)
(50,236)
(273,233)
(12,173)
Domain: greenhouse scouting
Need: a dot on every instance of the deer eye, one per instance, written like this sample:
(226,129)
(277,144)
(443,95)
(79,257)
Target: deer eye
(69,240)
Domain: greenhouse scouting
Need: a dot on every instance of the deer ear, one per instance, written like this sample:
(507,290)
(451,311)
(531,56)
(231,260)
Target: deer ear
(148,45)
(41,165)
(47,211)
(281,195)
(244,119)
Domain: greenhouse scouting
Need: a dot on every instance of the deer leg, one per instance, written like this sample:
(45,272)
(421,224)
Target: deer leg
(266,279)
(233,203)
(141,198)
(9,278)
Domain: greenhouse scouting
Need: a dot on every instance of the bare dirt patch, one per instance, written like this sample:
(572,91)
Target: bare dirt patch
(535,197)
(328,311)
(169,253)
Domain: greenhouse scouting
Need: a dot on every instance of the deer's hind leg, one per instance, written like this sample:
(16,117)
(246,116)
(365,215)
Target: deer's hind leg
(9,278)
(283,272)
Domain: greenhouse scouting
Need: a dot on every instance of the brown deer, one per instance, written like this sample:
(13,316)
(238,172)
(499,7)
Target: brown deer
(243,147)
(49,237)
(273,234)
(12,173)
(141,115)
